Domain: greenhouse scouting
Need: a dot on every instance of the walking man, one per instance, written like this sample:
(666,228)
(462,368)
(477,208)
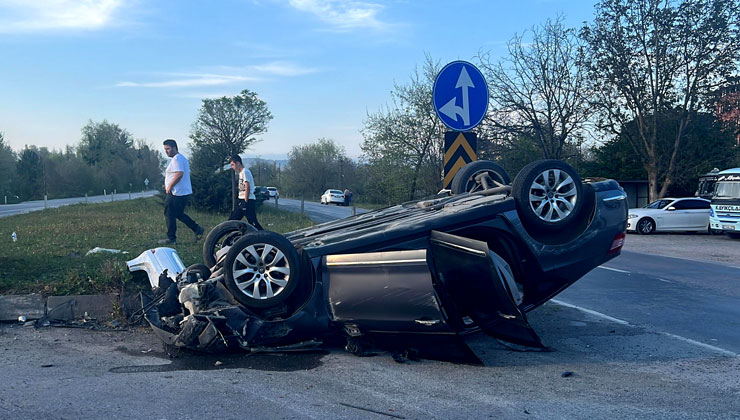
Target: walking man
(178,189)
(247,202)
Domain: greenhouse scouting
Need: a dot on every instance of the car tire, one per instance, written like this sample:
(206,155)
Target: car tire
(645,226)
(201,269)
(714,231)
(224,234)
(465,179)
(261,269)
(548,195)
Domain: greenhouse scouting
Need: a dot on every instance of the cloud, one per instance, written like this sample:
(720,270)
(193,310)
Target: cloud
(23,16)
(189,80)
(343,15)
(223,75)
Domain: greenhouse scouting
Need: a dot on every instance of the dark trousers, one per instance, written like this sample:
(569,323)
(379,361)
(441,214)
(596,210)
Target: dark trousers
(248,209)
(174,210)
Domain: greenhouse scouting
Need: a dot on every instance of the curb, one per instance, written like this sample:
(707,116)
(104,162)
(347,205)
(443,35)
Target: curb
(59,308)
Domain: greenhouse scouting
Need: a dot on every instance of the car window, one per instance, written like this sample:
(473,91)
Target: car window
(697,204)
(682,205)
(658,204)
(336,192)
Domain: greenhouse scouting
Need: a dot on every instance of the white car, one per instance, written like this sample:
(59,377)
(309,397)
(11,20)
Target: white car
(333,196)
(670,215)
(274,193)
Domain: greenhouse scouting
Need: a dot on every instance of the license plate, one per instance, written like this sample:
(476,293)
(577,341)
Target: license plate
(728,227)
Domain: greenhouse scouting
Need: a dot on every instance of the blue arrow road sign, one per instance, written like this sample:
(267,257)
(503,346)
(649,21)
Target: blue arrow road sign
(460,95)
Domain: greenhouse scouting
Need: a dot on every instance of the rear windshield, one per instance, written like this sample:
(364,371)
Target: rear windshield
(335,192)
(726,189)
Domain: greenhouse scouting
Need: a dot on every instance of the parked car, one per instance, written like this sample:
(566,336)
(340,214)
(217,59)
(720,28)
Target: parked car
(477,259)
(261,194)
(333,196)
(670,215)
(274,193)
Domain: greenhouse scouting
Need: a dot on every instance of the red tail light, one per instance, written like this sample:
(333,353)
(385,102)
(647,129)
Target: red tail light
(617,243)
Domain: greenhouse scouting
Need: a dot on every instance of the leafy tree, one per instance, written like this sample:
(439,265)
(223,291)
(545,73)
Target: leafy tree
(226,126)
(406,139)
(313,168)
(706,145)
(647,57)
(104,142)
(538,93)
(29,181)
(7,167)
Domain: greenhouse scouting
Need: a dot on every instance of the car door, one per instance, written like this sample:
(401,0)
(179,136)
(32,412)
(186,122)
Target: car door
(677,215)
(699,213)
(472,281)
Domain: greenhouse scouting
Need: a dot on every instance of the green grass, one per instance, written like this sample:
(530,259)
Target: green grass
(50,254)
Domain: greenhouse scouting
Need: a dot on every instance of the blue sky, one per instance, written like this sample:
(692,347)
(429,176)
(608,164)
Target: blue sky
(321,65)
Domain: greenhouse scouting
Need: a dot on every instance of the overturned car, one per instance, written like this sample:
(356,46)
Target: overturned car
(477,258)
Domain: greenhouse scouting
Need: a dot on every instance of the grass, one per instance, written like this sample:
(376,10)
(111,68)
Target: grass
(50,255)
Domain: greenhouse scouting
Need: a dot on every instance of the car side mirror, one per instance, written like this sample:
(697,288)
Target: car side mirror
(671,208)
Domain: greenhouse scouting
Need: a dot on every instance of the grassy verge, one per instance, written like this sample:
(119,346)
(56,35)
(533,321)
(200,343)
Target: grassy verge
(50,255)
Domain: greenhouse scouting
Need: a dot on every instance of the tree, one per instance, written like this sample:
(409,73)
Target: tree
(313,168)
(406,139)
(650,56)
(706,145)
(226,126)
(104,142)
(29,182)
(7,167)
(539,91)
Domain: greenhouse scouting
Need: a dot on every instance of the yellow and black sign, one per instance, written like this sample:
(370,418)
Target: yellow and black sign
(460,149)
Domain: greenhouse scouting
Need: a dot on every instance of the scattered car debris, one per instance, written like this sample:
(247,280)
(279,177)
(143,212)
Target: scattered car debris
(98,249)
(566,374)
(22,318)
(477,259)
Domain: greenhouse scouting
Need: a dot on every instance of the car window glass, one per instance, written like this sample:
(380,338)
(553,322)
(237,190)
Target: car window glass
(681,205)
(658,204)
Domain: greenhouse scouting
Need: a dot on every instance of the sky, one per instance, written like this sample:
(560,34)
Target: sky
(320,65)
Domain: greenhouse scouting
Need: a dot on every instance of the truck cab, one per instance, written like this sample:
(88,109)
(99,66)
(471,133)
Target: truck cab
(706,184)
(724,215)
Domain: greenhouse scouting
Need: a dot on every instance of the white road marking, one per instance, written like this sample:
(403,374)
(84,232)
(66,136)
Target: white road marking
(613,269)
(623,322)
(589,311)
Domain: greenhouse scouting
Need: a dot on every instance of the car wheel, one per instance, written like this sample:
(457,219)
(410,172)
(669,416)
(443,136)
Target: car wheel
(261,269)
(199,269)
(714,231)
(224,234)
(548,194)
(478,176)
(645,226)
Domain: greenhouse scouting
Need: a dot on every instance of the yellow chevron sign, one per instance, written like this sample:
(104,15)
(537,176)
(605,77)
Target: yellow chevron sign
(459,150)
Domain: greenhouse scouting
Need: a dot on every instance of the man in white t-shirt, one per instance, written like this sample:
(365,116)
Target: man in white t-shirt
(247,203)
(178,189)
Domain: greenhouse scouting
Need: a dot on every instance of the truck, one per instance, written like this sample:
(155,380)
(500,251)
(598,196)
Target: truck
(706,184)
(724,215)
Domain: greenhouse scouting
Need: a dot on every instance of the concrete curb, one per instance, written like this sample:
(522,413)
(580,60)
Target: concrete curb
(59,308)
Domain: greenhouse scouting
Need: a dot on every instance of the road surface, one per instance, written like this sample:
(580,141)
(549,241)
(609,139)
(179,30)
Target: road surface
(644,336)
(29,206)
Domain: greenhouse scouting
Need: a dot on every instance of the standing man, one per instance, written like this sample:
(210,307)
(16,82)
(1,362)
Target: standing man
(247,202)
(178,189)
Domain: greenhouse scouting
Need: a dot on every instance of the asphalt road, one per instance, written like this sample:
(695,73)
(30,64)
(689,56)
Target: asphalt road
(317,212)
(644,336)
(29,206)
